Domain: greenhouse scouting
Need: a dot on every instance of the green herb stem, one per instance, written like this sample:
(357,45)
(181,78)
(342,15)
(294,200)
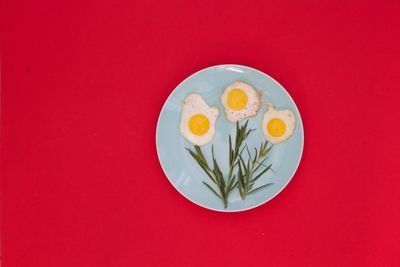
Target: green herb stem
(214,173)
(247,171)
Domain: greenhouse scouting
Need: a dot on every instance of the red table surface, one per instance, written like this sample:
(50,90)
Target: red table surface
(83,83)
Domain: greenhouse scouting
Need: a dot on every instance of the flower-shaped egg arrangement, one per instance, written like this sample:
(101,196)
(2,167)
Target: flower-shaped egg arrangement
(241,101)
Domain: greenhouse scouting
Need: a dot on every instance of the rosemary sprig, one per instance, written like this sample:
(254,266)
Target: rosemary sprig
(241,134)
(224,186)
(247,171)
(213,172)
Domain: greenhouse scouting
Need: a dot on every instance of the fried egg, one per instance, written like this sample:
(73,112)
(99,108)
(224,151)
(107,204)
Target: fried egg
(198,119)
(241,101)
(278,125)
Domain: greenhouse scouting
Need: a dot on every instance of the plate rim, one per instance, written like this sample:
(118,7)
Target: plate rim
(268,199)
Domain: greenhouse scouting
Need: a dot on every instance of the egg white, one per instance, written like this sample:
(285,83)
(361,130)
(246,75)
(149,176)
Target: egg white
(192,105)
(286,116)
(252,106)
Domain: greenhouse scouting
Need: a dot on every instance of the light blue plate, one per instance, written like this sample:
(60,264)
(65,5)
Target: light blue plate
(181,169)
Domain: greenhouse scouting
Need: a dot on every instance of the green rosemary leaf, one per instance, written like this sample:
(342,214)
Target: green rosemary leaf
(259,188)
(230,151)
(265,150)
(203,164)
(237,134)
(240,174)
(264,145)
(217,170)
(241,151)
(215,164)
(195,156)
(191,152)
(216,177)
(235,184)
(255,156)
(241,190)
(222,180)
(212,190)
(248,151)
(261,173)
(248,174)
(230,184)
(251,185)
(208,174)
(200,153)
(245,125)
(260,164)
(243,164)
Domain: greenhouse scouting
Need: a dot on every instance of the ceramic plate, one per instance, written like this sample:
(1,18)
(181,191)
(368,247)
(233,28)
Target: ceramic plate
(183,171)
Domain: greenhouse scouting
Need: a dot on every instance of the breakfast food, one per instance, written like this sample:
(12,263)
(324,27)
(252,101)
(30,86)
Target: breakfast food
(197,123)
(241,101)
(278,125)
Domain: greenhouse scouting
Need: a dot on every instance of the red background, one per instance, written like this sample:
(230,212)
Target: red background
(82,86)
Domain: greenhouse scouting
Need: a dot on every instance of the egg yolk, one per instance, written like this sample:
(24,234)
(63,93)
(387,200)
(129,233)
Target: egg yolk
(199,124)
(237,99)
(276,127)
